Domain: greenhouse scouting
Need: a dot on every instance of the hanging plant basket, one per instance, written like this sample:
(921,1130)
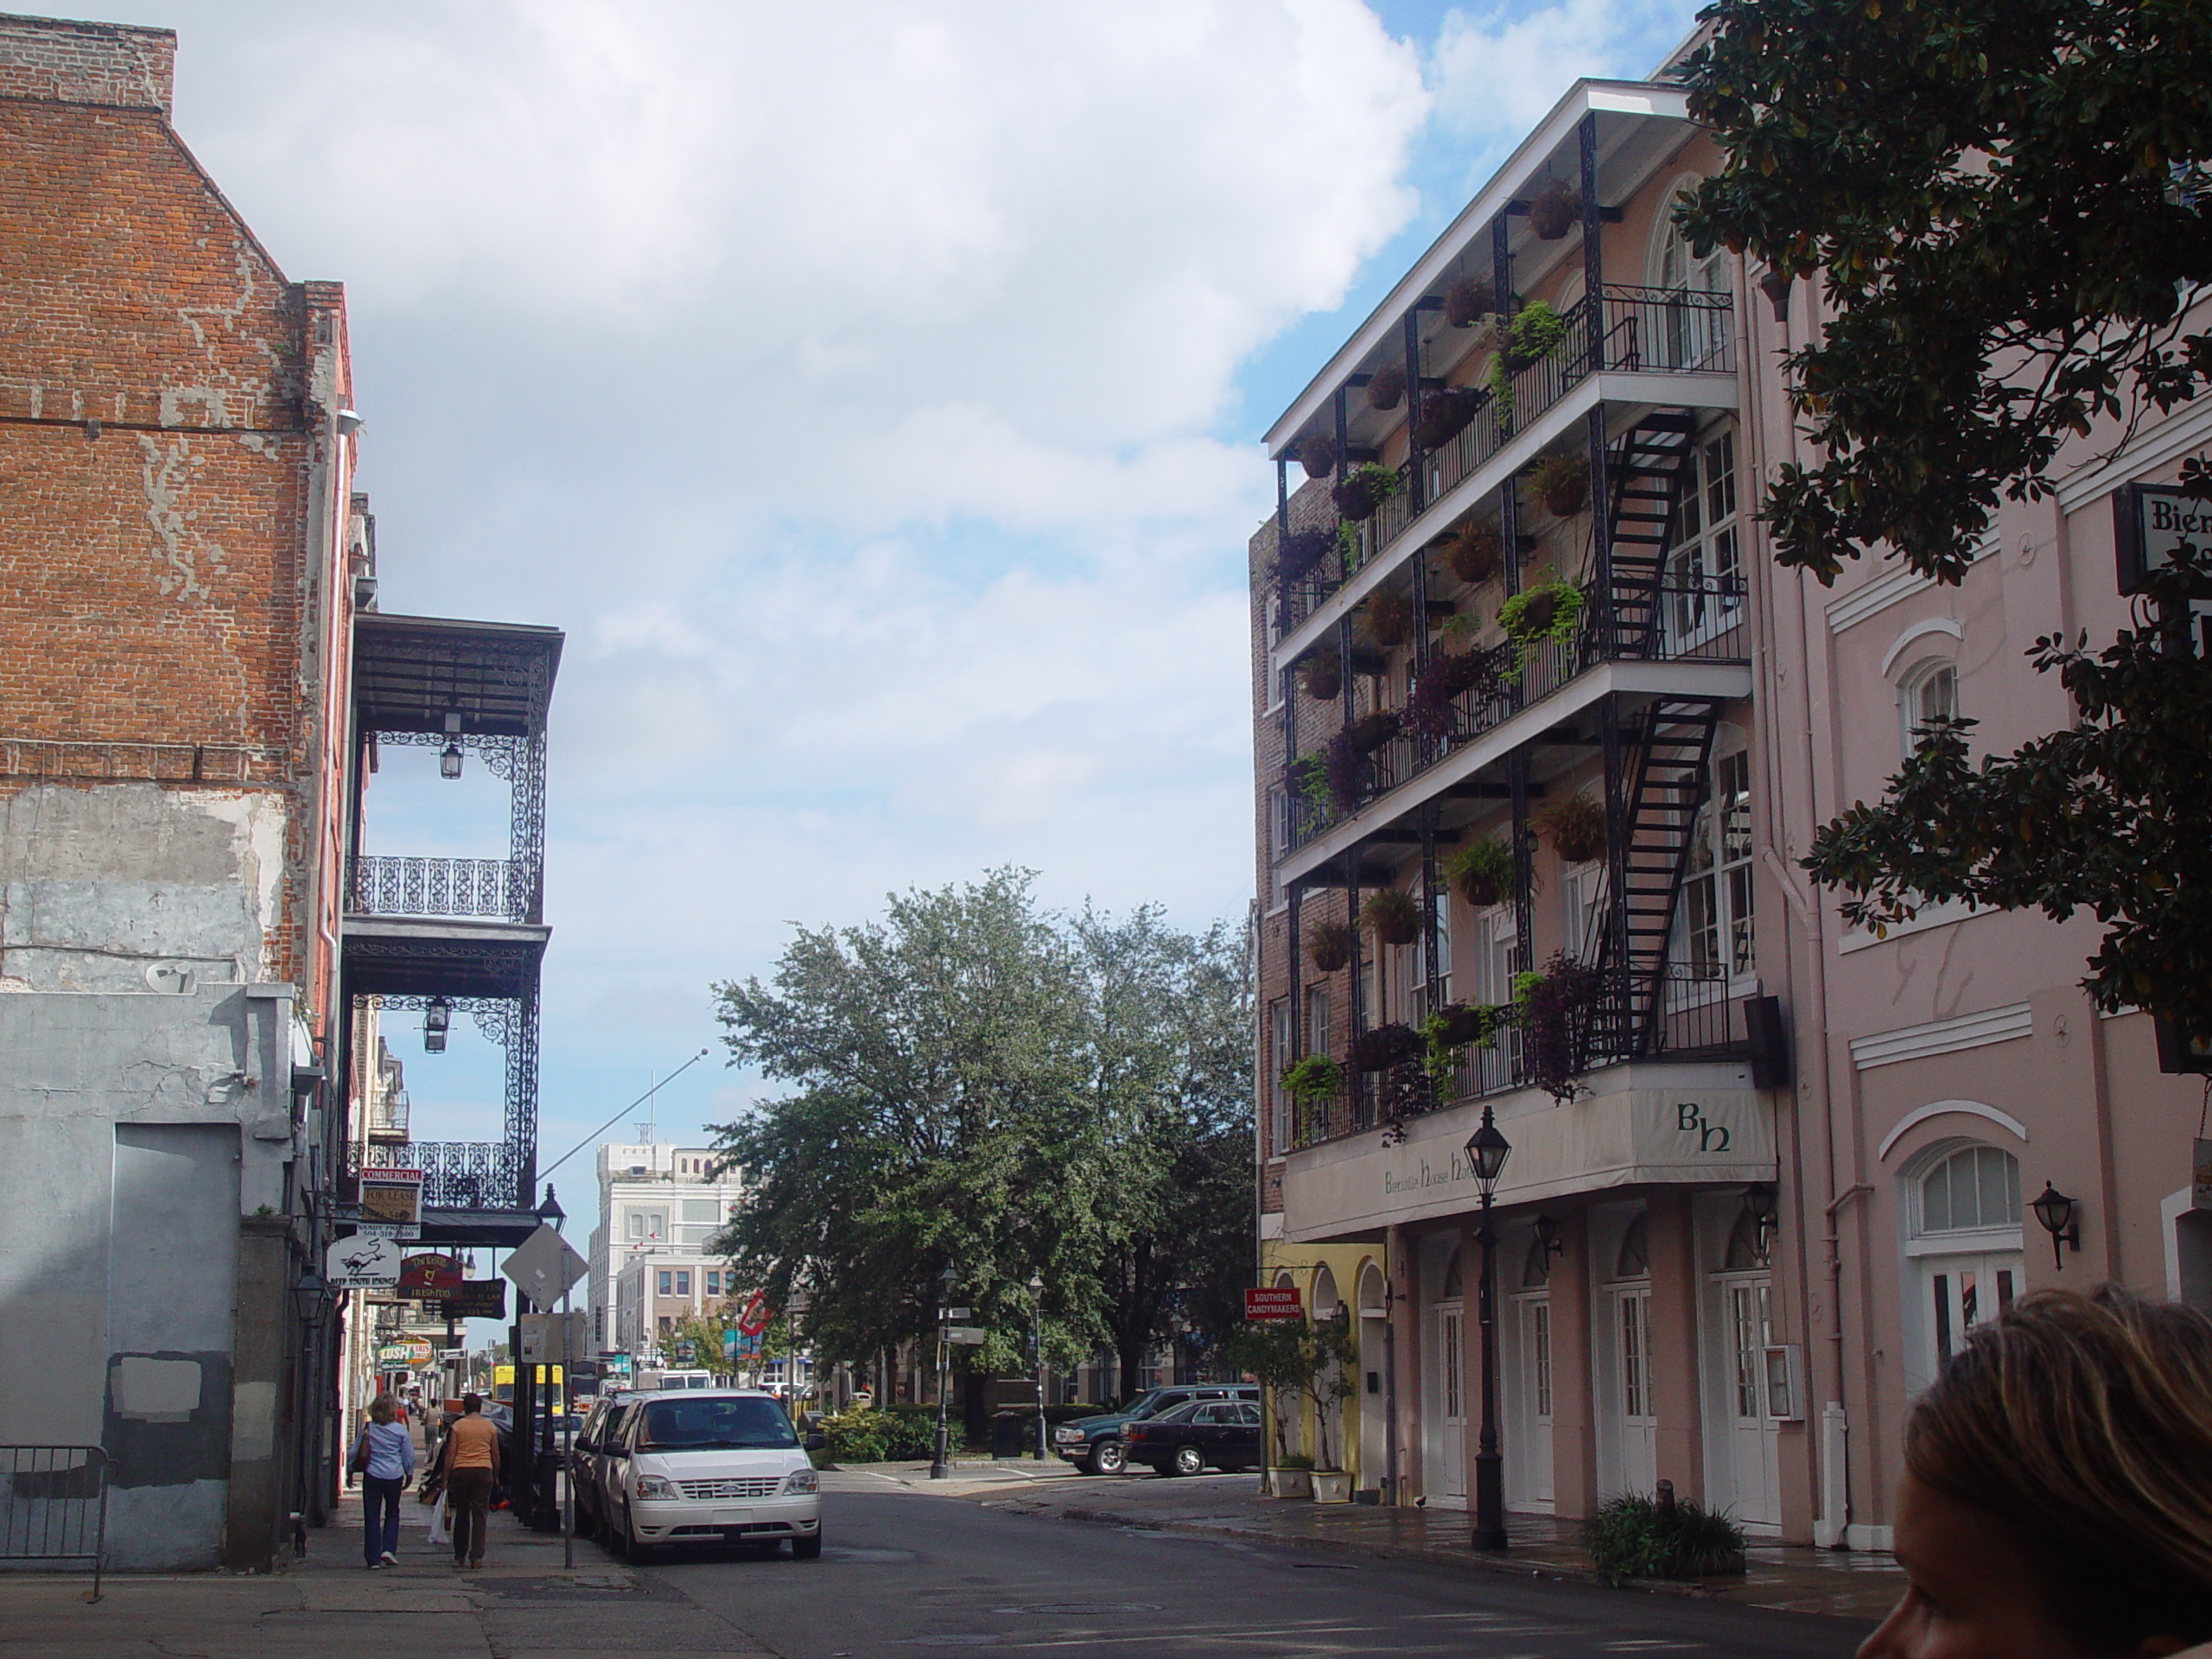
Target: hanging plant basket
(1546,611)
(1467,302)
(1554,1010)
(1322,678)
(1313,1080)
(1556,209)
(1384,1046)
(1476,556)
(1445,413)
(1562,482)
(1390,618)
(1482,870)
(1349,775)
(1575,828)
(1370,732)
(1364,488)
(1456,1025)
(1393,916)
(1299,554)
(1387,388)
(1534,333)
(1317,454)
(1442,680)
(1328,946)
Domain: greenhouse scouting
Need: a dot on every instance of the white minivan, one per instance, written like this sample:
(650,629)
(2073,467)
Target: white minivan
(722,1464)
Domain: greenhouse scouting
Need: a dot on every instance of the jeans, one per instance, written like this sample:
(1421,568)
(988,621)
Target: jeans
(468,1502)
(380,1517)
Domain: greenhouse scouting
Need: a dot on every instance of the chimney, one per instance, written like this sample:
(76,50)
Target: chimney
(111,64)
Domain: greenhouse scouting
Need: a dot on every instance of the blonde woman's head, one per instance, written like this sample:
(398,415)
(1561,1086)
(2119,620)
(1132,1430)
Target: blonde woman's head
(383,1408)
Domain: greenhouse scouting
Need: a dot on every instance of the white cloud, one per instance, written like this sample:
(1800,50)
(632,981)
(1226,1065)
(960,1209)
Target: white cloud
(1498,70)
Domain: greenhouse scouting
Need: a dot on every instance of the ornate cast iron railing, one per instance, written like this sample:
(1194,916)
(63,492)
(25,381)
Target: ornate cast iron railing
(504,887)
(456,1174)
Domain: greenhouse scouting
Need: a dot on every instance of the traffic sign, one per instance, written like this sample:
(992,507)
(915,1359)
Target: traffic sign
(542,1266)
(1284,1304)
(965,1336)
(756,1316)
(359,1264)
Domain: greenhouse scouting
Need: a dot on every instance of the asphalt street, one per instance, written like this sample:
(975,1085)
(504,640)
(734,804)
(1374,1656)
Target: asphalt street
(906,1573)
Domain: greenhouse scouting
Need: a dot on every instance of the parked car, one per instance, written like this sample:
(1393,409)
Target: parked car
(1094,1444)
(708,1464)
(583,1467)
(1204,1435)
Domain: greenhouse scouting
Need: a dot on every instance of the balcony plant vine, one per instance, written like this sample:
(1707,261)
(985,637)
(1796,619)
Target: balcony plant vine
(1534,333)
(1450,1031)
(1546,614)
(1309,782)
(1313,1081)
(1346,771)
(1554,1010)
(1439,682)
(1364,489)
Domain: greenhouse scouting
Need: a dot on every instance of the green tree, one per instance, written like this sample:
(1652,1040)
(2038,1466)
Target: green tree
(2008,210)
(1313,1361)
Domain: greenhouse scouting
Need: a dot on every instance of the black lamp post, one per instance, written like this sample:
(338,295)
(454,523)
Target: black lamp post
(950,1278)
(1487,1151)
(2057,1214)
(549,1214)
(1037,1354)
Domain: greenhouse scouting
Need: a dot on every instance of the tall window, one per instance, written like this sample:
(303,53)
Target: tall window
(1280,1032)
(1317,1020)
(1715,937)
(684,1282)
(665,1281)
(1689,330)
(1929,692)
(1582,892)
(1705,572)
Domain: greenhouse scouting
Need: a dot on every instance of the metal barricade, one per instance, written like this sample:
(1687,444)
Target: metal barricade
(53,1505)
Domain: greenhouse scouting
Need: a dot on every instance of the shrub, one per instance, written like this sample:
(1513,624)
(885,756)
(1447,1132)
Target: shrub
(1477,553)
(859,1436)
(1294,1460)
(1317,454)
(1467,302)
(1384,1046)
(1555,210)
(1390,618)
(1482,870)
(1363,489)
(1575,828)
(1386,386)
(1562,482)
(1633,1537)
(1322,675)
(1393,916)
(912,1433)
(1328,946)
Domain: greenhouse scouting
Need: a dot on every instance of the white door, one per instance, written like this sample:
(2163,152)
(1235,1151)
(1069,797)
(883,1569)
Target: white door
(1958,1293)
(1448,1440)
(1533,1448)
(1748,1471)
(1639,1422)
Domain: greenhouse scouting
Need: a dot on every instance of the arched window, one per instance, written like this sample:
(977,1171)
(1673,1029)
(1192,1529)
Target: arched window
(1974,1188)
(1688,327)
(1749,1245)
(1453,1290)
(1536,1271)
(1929,692)
(1635,1259)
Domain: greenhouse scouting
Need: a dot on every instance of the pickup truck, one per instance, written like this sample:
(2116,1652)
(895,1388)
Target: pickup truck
(1094,1444)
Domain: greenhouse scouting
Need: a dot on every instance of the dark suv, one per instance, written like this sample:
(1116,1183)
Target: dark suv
(1094,1444)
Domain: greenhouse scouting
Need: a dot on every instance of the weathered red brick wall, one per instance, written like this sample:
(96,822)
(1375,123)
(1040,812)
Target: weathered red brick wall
(87,63)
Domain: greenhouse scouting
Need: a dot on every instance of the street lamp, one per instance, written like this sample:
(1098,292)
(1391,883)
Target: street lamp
(437,1020)
(1037,1354)
(449,756)
(549,1214)
(950,1278)
(1487,1151)
(2056,1213)
(311,1297)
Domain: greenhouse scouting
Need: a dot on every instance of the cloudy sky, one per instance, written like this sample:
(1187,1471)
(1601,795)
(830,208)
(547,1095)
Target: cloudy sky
(871,389)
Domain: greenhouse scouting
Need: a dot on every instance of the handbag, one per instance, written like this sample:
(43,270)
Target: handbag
(359,1463)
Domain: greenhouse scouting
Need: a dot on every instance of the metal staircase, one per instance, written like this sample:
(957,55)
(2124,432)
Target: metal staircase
(1650,468)
(1670,756)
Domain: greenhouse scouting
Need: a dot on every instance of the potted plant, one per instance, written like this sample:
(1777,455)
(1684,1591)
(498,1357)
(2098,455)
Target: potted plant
(1439,682)
(1363,489)
(1328,946)
(1445,412)
(1310,1362)
(1308,778)
(1349,773)
(1467,302)
(1315,1079)
(1561,481)
(1555,211)
(1450,1031)
(1575,827)
(1546,613)
(1476,554)
(1393,915)
(1386,387)
(1380,1047)
(1370,732)
(1322,675)
(1317,454)
(1298,555)
(1554,1009)
(1331,1486)
(1482,870)
(1534,333)
(1293,1476)
(1390,618)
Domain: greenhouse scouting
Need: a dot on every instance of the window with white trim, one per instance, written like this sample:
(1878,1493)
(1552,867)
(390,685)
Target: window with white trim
(1929,692)
(1714,932)
(1280,1033)
(1705,571)
(1317,1020)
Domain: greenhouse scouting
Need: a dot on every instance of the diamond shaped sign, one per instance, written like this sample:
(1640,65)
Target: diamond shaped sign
(542,1266)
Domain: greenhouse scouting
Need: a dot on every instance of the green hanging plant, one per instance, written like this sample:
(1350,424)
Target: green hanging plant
(1393,916)
(1453,1029)
(1322,675)
(1328,946)
(1562,482)
(1349,554)
(1364,488)
(1309,782)
(1534,333)
(1482,870)
(1546,613)
(1313,1080)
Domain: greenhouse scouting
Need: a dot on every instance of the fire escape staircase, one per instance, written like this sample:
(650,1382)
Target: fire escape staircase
(1650,468)
(1673,748)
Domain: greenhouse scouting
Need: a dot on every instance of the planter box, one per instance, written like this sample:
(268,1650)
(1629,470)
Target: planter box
(1331,1486)
(1291,1483)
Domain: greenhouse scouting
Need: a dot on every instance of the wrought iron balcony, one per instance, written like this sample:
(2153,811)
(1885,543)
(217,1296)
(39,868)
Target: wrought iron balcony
(1693,620)
(503,887)
(456,1174)
(1628,330)
(1699,1020)
(388,1117)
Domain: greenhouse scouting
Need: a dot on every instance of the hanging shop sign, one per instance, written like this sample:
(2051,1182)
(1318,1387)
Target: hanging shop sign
(429,1273)
(359,1264)
(392,1196)
(1287,1303)
(478,1299)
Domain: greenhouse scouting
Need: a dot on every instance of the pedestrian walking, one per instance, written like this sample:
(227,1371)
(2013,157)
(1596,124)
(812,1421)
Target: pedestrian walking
(2057,1499)
(384,1457)
(470,1463)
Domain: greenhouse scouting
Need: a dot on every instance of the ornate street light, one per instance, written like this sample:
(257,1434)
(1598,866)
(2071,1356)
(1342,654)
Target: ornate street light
(437,1020)
(1765,1213)
(1037,1354)
(950,1278)
(2057,1214)
(449,756)
(1487,1151)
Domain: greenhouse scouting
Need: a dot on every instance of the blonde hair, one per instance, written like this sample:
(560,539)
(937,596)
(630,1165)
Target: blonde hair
(2084,1425)
(383,1407)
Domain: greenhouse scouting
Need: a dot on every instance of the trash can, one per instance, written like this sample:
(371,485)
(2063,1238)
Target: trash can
(1007,1434)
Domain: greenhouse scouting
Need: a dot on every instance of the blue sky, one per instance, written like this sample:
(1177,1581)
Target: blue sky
(871,389)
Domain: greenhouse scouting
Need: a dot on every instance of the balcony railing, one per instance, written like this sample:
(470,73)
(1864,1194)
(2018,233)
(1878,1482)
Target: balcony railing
(1697,619)
(456,1174)
(1699,1019)
(441,886)
(1639,330)
(388,1117)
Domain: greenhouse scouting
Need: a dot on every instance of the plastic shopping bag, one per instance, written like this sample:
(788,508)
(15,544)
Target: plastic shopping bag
(441,1522)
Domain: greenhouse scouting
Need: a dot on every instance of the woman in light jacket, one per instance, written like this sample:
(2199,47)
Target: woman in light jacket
(385,1457)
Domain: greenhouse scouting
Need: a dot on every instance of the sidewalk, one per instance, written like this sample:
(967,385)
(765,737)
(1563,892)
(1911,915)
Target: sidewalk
(521,1605)
(1796,1577)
